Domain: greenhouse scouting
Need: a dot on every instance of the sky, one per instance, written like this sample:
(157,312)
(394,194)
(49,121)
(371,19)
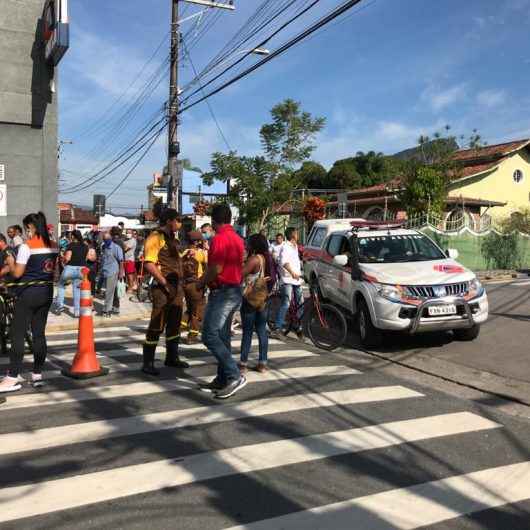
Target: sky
(384,73)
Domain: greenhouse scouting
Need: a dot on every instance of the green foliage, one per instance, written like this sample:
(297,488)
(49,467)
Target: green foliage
(519,221)
(262,185)
(425,190)
(289,139)
(311,175)
(501,251)
(362,170)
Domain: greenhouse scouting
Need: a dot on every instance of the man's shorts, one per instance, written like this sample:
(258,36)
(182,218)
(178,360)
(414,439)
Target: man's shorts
(130,267)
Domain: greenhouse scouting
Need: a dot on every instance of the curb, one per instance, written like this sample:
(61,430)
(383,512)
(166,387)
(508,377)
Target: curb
(100,322)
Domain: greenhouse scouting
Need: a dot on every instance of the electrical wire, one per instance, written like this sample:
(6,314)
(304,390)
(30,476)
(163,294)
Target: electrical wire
(212,113)
(292,42)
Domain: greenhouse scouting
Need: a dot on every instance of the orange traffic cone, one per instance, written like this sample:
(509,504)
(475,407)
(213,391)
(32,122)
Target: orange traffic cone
(85,364)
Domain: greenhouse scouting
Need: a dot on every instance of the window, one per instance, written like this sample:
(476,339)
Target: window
(337,244)
(517,176)
(317,237)
(397,248)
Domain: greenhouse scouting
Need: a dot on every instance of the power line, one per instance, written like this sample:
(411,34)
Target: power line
(281,28)
(208,103)
(301,36)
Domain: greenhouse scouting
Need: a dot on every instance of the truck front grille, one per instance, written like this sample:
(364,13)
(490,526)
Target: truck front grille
(438,291)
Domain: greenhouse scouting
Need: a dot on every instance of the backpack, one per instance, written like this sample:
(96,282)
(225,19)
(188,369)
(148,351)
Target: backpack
(257,293)
(190,268)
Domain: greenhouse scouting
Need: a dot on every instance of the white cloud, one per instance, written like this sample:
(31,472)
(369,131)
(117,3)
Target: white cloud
(439,99)
(491,98)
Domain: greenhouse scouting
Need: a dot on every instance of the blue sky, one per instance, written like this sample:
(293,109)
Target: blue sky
(382,75)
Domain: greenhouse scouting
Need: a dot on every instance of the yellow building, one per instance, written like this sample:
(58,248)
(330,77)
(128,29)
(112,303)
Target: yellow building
(499,173)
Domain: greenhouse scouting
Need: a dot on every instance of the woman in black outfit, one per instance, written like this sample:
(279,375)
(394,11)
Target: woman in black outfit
(74,259)
(34,270)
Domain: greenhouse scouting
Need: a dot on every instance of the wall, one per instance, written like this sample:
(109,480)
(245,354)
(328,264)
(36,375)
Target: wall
(500,186)
(28,114)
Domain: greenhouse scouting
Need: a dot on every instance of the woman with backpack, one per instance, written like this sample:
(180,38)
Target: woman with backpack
(258,280)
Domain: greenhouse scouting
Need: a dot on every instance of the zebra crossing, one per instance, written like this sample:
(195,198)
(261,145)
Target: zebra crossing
(315,443)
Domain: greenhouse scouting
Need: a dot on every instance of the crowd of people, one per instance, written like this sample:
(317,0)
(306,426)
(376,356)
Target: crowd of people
(198,284)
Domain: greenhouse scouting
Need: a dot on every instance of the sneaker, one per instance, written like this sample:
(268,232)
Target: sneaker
(300,335)
(212,386)
(243,368)
(231,388)
(277,335)
(59,310)
(10,384)
(261,368)
(115,311)
(37,380)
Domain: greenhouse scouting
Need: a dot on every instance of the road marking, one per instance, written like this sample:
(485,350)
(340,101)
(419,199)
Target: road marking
(72,492)
(96,331)
(60,397)
(140,337)
(102,429)
(416,506)
(115,366)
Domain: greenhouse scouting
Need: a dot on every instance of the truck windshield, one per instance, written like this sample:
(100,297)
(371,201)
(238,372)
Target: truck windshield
(397,248)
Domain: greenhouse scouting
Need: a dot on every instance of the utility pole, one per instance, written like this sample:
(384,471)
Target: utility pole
(175,200)
(174,168)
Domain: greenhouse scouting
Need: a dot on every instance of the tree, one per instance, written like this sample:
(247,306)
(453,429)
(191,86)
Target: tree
(263,185)
(362,170)
(311,175)
(424,190)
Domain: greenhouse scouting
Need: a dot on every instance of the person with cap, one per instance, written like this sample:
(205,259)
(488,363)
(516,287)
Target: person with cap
(194,261)
(163,261)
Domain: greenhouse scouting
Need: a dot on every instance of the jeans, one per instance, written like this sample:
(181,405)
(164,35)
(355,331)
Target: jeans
(286,292)
(74,274)
(251,320)
(31,311)
(216,330)
(110,289)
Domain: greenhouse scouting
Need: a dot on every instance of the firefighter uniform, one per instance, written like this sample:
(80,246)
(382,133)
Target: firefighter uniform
(162,249)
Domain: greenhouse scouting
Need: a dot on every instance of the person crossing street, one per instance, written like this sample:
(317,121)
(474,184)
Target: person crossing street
(163,262)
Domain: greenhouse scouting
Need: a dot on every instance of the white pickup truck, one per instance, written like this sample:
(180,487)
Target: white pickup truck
(392,278)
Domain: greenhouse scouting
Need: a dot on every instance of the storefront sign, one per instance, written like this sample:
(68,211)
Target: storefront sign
(56,30)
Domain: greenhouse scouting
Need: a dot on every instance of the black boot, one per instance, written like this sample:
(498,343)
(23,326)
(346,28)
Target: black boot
(149,360)
(172,355)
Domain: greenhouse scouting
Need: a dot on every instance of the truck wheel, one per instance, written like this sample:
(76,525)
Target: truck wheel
(370,335)
(467,334)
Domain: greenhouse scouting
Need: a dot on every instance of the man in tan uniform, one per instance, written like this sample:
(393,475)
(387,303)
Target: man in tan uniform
(163,262)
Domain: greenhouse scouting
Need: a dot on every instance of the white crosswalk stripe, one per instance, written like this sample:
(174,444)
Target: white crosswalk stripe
(308,410)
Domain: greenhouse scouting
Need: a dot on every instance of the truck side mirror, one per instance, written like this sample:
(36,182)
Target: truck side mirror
(452,253)
(341,260)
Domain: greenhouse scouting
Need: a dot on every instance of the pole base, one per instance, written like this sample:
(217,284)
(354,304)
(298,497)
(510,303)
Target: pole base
(84,375)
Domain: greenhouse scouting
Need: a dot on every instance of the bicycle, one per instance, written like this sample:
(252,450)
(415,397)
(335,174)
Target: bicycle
(324,324)
(7,309)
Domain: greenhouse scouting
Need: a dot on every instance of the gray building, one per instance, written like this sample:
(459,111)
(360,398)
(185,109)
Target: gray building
(28,116)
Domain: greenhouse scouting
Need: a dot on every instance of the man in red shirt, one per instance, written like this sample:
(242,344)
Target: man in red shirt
(223,277)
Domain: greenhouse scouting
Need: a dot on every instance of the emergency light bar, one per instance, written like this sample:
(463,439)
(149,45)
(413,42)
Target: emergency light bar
(375,225)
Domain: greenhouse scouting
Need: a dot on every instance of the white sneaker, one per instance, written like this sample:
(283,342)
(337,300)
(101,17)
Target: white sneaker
(10,384)
(37,380)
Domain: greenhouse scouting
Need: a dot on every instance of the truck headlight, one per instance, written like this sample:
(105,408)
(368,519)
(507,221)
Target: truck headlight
(476,289)
(390,292)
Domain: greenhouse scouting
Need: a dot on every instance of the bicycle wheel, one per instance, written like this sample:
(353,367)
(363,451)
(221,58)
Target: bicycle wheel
(326,327)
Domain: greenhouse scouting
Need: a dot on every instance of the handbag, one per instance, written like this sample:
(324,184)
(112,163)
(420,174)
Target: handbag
(121,289)
(257,292)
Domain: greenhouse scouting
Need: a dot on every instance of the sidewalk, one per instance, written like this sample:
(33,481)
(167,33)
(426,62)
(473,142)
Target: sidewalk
(129,310)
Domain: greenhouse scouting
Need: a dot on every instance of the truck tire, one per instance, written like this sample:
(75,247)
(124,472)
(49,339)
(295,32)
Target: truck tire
(467,334)
(369,335)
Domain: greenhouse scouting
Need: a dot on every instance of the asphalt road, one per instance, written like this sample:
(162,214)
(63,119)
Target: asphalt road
(325,441)
(502,348)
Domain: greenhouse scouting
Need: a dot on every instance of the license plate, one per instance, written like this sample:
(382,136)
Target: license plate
(437,310)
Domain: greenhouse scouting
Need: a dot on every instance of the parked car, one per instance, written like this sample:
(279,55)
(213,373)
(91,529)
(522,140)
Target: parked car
(391,278)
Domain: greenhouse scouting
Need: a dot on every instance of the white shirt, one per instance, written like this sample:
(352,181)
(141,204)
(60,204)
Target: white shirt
(289,255)
(275,250)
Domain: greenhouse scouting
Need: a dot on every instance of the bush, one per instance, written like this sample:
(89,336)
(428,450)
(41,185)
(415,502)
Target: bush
(501,251)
